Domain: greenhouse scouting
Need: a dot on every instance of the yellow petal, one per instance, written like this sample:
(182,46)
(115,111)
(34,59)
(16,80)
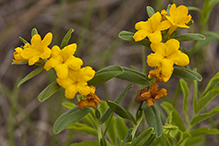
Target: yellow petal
(74,62)
(51,63)
(179,58)
(155,37)
(164,25)
(155,21)
(33,60)
(56,51)
(142,25)
(154,59)
(61,71)
(46,54)
(158,47)
(68,50)
(64,82)
(166,67)
(35,40)
(83,88)
(87,73)
(171,46)
(47,39)
(70,92)
(140,35)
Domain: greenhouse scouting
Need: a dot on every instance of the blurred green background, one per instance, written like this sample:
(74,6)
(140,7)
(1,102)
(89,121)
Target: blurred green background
(97,23)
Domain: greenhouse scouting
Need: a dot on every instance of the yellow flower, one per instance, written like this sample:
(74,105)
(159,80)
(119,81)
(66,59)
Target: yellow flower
(178,17)
(91,100)
(77,82)
(62,60)
(37,49)
(151,28)
(17,55)
(165,56)
(164,13)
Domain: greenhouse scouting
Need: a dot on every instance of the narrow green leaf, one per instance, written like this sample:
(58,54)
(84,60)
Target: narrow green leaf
(142,138)
(23,40)
(202,44)
(206,98)
(122,112)
(83,128)
(134,76)
(97,114)
(66,38)
(121,128)
(105,74)
(34,31)
(109,111)
(128,36)
(194,8)
(203,130)
(86,143)
(19,63)
(212,83)
(71,116)
(216,35)
(103,142)
(150,140)
(189,37)
(111,131)
(185,91)
(201,117)
(195,98)
(48,91)
(30,75)
(150,11)
(128,137)
(195,141)
(153,119)
(68,105)
(173,132)
(176,118)
(186,73)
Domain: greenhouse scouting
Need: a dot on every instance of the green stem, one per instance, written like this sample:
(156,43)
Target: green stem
(143,59)
(135,127)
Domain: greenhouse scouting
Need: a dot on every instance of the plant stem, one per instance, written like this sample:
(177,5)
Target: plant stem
(135,127)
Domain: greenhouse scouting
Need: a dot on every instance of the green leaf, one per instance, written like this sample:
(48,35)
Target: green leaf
(68,105)
(48,91)
(206,98)
(109,111)
(173,132)
(111,131)
(204,116)
(71,116)
(134,76)
(105,74)
(122,112)
(121,128)
(23,40)
(212,83)
(216,35)
(34,31)
(185,91)
(86,143)
(176,118)
(30,75)
(19,63)
(83,128)
(142,138)
(195,141)
(189,37)
(153,119)
(66,38)
(150,11)
(186,73)
(194,8)
(103,142)
(128,36)
(97,114)
(128,137)
(203,130)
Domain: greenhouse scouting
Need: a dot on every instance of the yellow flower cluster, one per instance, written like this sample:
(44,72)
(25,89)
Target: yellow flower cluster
(70,75)
(167,53)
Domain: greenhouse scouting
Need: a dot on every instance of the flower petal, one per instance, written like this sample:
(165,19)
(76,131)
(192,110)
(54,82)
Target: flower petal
(69,49)
(61,71)
(51,63)
(64,82)
(140,35)
(171,46)
(142,25)
(74,62)
(179,58)
(47,39)
(154,59)
(166,67)
(70,92)
(33,60)
(155,37)
(46,54)
(87,73)
(35,40)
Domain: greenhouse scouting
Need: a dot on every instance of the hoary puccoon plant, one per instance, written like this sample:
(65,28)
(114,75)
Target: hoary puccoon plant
(109,122)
